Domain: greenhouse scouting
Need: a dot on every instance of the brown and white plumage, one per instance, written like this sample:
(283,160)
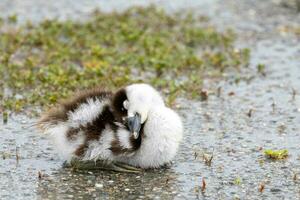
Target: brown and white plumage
(92,126)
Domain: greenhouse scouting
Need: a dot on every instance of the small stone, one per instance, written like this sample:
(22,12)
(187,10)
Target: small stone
(127,189)
(99,185)
(204,95)
(275,190)
(236,197)
(19,96)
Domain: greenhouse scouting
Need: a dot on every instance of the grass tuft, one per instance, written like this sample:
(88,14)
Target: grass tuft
(45,62)
(276,154)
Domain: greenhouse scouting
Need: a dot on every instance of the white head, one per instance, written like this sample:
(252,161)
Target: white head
(134,103)
(140,98)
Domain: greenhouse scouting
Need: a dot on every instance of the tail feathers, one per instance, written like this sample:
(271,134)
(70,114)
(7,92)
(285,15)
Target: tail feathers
(52,118)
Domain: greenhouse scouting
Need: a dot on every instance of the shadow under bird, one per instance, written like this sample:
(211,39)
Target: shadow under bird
(123,131)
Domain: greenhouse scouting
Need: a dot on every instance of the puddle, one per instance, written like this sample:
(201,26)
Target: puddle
(221,126)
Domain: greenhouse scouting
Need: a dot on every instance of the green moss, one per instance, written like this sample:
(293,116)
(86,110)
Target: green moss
(238,181)
(5,117)
(49,61)
(276,154)
(12,18)
(261,68)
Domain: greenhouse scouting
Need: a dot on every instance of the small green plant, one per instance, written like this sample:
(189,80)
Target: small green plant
(261,69)
(45,62)
(276,154)
(238,181)
(12,18)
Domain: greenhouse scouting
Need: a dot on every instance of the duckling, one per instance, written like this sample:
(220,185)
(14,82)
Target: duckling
(128,130)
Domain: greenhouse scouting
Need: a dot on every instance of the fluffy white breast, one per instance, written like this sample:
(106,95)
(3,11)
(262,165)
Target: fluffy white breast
(162,135)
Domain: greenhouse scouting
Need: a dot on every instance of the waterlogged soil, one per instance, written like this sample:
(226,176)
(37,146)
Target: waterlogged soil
(245,113)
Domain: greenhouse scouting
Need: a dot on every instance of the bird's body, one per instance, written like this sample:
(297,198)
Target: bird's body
(92,126)
(160,139)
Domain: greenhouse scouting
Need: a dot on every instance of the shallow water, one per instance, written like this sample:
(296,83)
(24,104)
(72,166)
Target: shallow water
(221,127)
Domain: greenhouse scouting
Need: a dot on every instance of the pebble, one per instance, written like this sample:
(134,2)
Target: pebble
(99,185)
(275,190)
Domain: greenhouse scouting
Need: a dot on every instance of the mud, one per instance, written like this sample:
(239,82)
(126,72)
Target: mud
(222,126)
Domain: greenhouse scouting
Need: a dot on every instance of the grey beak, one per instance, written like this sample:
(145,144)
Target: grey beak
(134,125)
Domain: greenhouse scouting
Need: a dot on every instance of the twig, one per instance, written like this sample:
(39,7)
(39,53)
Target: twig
(261,187)
(203,187)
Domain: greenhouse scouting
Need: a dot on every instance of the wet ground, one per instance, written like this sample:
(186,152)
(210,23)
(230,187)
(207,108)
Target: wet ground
(245,113)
